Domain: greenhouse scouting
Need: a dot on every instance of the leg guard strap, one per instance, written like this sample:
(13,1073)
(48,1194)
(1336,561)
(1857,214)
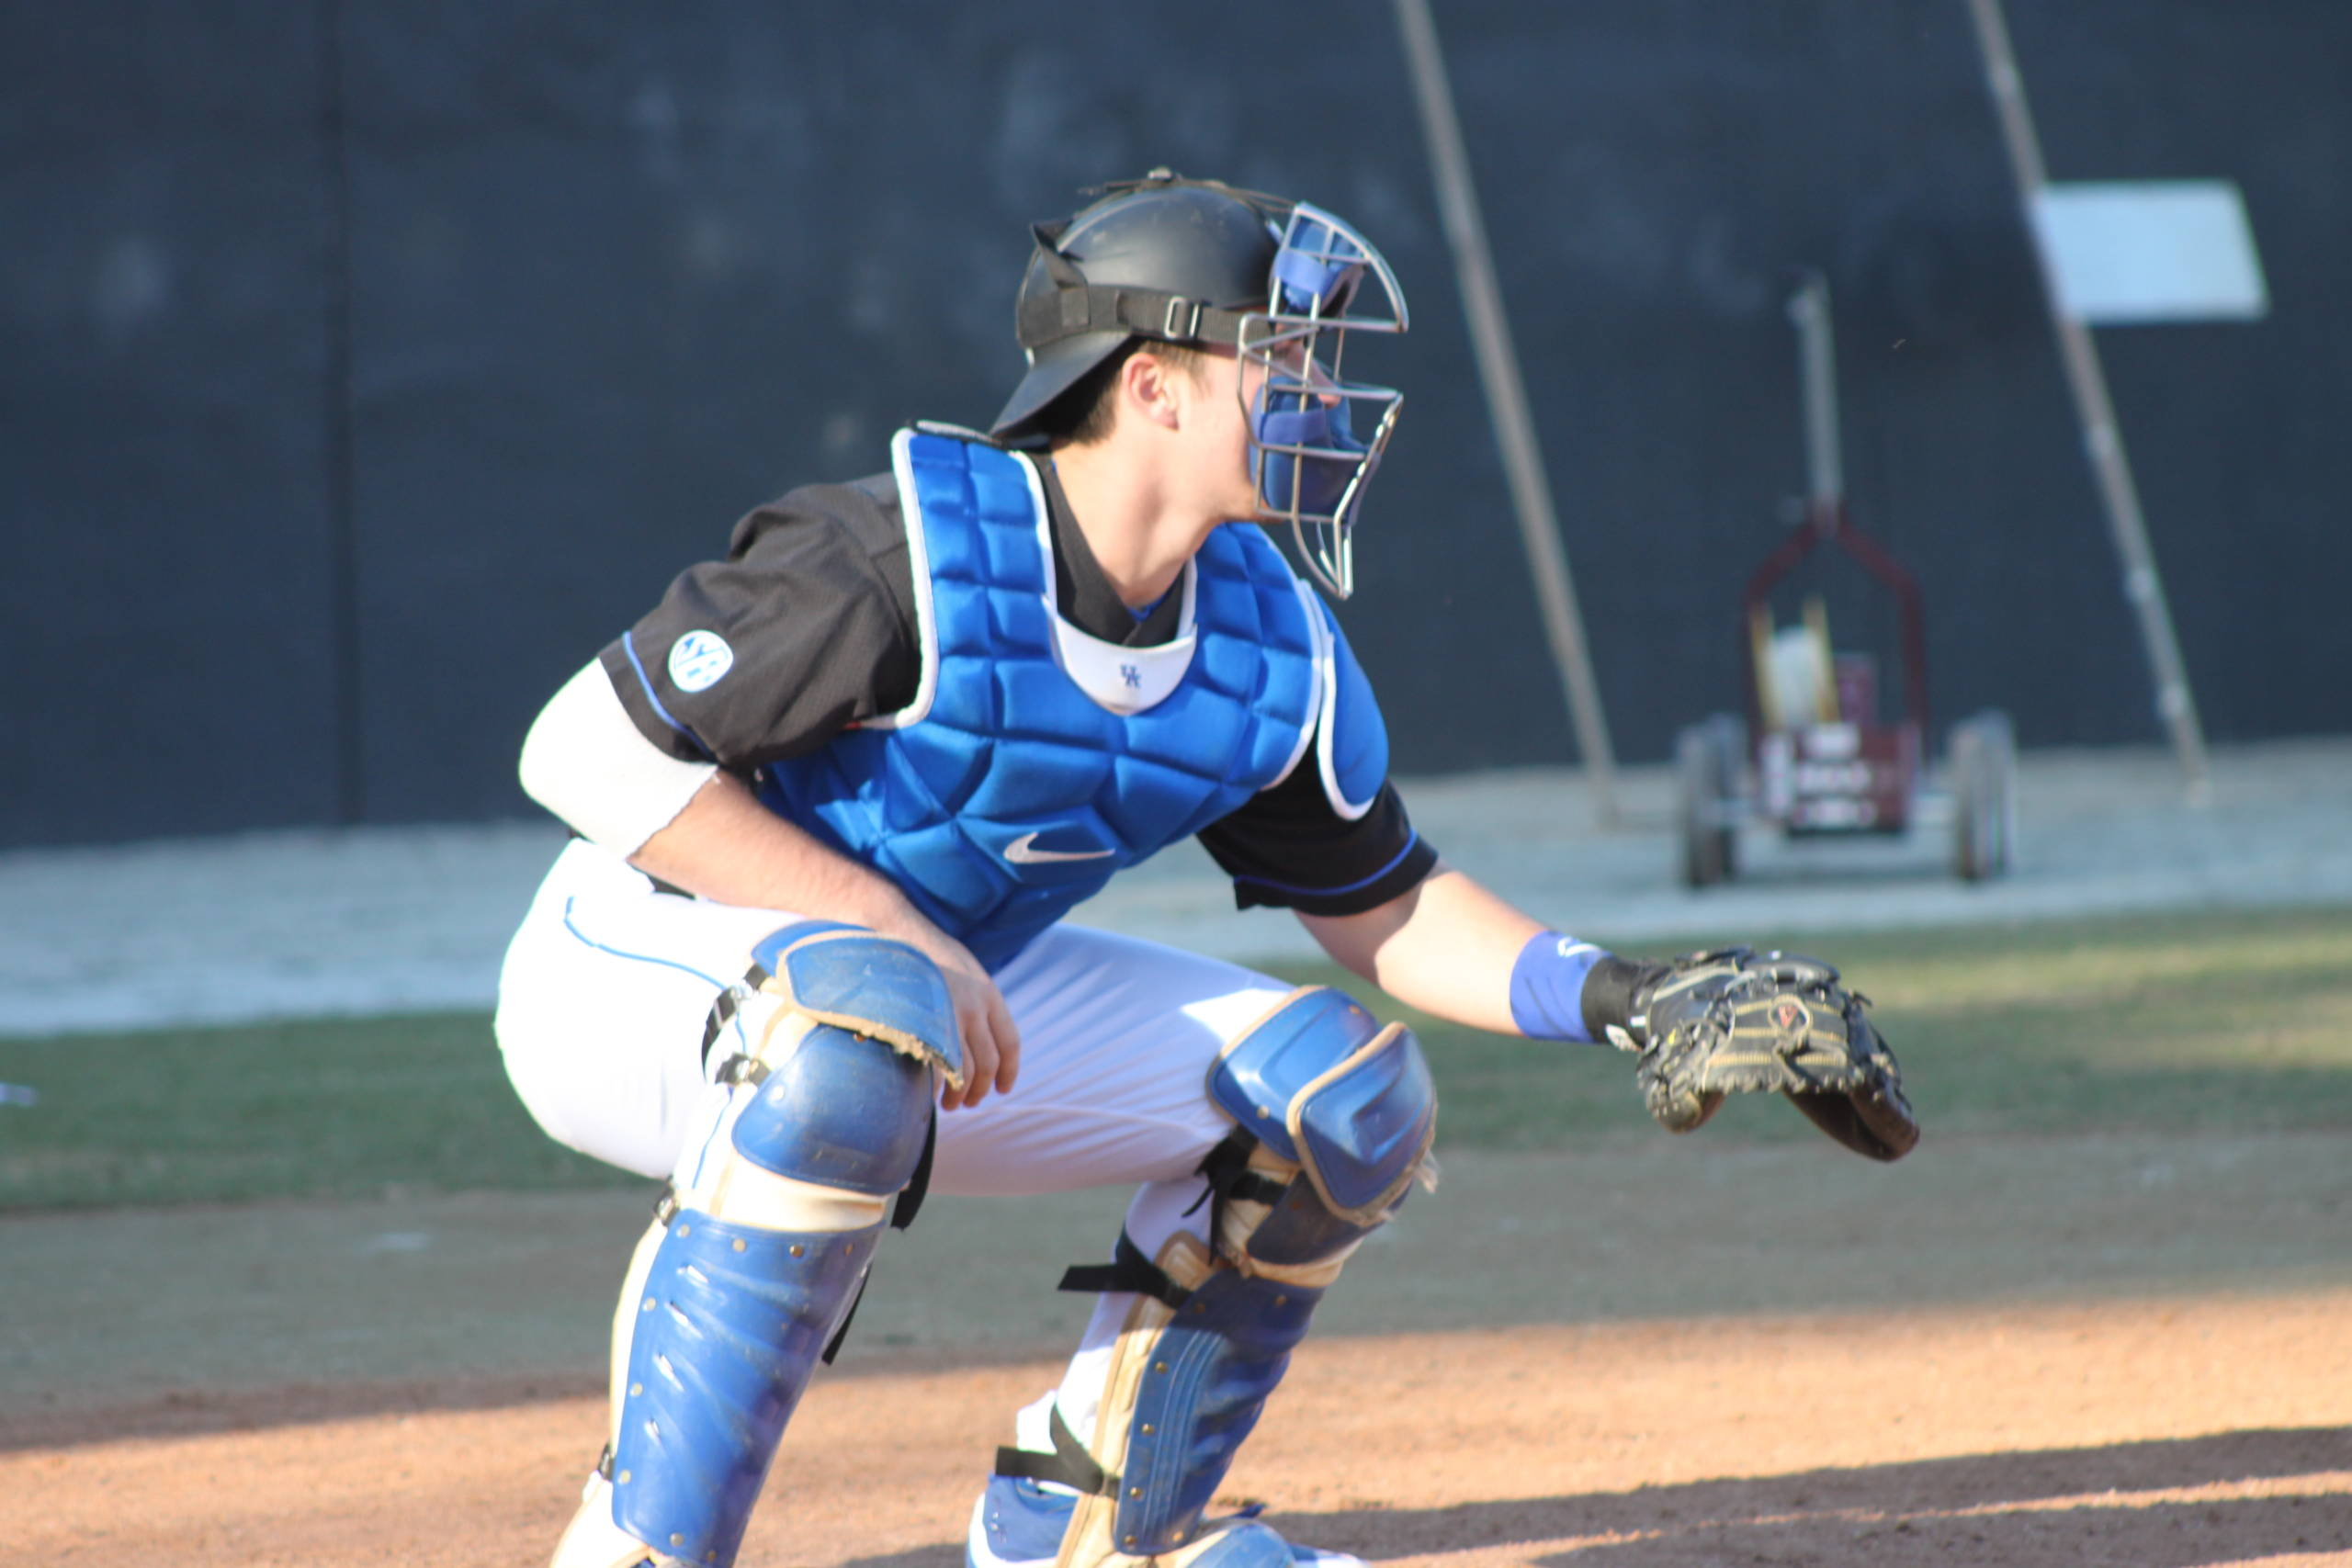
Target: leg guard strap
(1268,1218)
(1069,1465)
(1230,1173)
(1191,1373)
(1128,1271)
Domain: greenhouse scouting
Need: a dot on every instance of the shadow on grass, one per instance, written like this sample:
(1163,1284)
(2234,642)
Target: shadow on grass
(2170,1503)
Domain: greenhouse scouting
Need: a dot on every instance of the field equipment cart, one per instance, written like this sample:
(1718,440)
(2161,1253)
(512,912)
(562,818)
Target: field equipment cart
(1822,762)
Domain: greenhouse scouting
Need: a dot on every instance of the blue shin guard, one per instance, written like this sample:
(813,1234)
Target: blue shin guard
(1188,1384)
(1210,1373)
(754,1267)
(732,1322)
(1334,1118)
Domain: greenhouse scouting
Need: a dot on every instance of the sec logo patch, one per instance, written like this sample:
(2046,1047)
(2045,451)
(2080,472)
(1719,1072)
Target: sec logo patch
(697,659)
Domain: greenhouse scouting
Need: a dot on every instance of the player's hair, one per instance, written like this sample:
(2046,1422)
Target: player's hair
(1083,416)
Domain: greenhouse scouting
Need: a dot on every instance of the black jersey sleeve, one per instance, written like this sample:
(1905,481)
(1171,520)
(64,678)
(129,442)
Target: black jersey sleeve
(1288,848)
(805,627)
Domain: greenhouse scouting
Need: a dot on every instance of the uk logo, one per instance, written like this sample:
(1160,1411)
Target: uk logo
(1132,675)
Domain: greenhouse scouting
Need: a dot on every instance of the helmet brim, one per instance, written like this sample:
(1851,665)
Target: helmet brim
(1055,369)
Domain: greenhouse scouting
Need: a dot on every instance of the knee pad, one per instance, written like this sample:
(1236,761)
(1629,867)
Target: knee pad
(1335,1116)
(867,983)
(831,1097)
(756,1257)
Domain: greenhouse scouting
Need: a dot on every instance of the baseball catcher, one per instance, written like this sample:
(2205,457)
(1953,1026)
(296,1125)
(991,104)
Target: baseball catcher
(869,759)
(1730,1021)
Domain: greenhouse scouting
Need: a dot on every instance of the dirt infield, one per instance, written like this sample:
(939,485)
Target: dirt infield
(2163,1433)
(2122,1348)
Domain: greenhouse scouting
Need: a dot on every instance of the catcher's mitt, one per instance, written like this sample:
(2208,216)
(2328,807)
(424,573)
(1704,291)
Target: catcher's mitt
(1732,1021)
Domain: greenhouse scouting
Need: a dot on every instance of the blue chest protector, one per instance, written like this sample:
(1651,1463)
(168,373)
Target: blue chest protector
(1036,760)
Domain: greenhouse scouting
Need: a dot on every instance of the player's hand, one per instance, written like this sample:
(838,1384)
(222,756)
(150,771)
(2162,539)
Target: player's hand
(991,1044)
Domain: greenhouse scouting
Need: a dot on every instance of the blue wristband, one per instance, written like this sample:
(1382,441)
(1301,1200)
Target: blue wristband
(1547,987)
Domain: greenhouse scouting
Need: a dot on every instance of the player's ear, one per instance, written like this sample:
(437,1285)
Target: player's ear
(1148,386)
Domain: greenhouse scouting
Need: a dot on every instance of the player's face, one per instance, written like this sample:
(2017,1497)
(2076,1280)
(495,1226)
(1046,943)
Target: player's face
(1223,425)
(1231,386)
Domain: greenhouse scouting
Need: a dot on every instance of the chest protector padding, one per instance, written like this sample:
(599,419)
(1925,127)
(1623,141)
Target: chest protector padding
(1007,793)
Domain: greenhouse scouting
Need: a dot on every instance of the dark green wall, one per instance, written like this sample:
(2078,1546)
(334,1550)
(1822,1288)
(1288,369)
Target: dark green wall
(365,366)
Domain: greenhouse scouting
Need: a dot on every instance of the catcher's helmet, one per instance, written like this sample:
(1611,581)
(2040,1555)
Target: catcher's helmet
(1198,262)
(1174,260)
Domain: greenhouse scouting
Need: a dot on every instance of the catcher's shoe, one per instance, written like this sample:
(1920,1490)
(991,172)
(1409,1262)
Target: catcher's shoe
(595,1541)
(1019,1524)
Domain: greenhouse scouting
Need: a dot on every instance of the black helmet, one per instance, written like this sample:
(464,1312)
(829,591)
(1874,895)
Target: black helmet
(1284,282)
(1162,257)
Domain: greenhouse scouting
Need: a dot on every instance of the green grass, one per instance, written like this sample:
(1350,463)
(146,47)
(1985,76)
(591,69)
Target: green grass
(325,1108)
(2239,1023)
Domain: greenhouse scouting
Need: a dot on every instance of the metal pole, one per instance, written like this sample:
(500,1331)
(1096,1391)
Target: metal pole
(1825,463)
(341,482)
(2102,438)
(1506,400)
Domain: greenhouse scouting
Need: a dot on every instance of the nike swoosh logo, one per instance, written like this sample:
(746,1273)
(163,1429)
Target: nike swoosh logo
(1022,851)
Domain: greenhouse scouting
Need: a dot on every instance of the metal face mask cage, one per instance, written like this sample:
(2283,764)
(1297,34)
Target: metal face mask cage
(1309,466)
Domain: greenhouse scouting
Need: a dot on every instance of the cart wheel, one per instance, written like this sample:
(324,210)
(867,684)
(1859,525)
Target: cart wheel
(1983,760)
(1707,759)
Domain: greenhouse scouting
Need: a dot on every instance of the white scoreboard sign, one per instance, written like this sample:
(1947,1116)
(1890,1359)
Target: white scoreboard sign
(2128,251)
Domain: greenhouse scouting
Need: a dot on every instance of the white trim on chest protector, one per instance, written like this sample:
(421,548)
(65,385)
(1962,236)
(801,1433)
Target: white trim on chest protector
(919,563)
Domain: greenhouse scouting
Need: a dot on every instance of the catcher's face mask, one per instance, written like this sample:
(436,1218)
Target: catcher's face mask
(1309,465)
